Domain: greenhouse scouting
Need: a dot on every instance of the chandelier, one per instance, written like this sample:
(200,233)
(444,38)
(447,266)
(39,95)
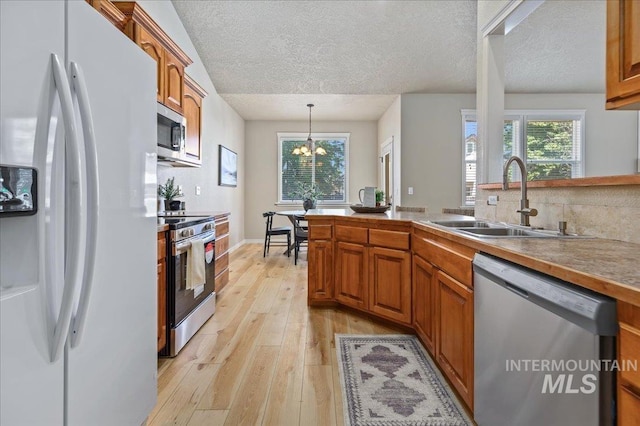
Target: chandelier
(308,147)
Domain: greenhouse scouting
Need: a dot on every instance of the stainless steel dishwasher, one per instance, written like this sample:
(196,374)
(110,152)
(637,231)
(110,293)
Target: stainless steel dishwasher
(543,349)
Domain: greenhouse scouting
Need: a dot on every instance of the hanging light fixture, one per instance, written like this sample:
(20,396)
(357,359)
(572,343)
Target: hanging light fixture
(309,147)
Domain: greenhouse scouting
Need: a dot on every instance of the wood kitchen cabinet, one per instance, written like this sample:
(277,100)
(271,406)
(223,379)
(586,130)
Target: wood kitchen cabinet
(372,268)
(170,59)
(109,11)
(454,347)
(352,278)
(424,302)
(623,54)
(153,48)
(174,82)
(320,271)
(193,96)
(443,306)
(390,274)
(629,379)
(162,289)
(222,251)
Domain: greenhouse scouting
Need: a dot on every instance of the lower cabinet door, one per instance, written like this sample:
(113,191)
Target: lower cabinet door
(352,277)
(628,407)
(320,270)
(162,304)
(424,302)
(455,334)
(390,283)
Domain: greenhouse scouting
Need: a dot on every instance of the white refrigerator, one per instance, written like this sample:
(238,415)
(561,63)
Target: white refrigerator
(78,277)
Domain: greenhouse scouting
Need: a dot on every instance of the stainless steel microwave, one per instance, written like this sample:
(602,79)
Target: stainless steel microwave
(172,129)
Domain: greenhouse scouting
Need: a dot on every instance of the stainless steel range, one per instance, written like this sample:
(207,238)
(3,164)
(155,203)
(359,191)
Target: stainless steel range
(188,309)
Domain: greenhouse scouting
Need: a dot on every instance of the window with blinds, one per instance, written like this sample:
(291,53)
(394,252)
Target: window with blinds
(325,168)
(551,142)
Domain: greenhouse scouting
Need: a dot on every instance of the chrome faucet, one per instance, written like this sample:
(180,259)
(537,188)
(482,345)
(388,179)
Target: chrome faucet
(524,211)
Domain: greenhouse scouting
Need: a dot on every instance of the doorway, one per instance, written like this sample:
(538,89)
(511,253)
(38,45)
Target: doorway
(386,170)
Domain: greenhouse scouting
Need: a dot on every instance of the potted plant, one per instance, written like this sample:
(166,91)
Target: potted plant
(379,197)
(308,193)
(169,191)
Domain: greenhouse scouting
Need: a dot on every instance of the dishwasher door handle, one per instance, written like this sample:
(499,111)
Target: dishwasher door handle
(517,290)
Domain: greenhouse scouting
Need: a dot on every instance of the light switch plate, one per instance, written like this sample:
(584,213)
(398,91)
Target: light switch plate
(492,200)
(411,190)
(197,189)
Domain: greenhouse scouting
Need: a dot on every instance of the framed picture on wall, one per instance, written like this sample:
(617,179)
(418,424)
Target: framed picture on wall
(227,167)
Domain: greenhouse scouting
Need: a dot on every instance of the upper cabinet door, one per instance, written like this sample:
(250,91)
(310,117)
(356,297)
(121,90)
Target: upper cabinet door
(154,49)
(174,83)
(623,54)
(192,107)
(170,59)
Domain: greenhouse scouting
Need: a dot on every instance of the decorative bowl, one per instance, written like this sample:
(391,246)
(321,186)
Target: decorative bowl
(359,208)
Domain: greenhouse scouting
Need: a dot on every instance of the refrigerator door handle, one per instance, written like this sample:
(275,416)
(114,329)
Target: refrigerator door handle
(79,87)
(75,184)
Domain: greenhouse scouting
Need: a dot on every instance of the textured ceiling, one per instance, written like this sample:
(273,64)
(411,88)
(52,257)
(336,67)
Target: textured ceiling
(293,107)
(268,59)
(559,48)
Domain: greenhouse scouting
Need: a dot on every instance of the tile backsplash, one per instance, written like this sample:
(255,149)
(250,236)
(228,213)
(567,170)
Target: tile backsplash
(600,211)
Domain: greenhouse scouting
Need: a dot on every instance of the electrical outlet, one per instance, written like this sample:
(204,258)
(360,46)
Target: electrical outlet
(197,189)
(492,200)
(411,190)
(180,189)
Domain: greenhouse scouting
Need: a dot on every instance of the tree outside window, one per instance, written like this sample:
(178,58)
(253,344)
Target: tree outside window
(551,142)
(326,172)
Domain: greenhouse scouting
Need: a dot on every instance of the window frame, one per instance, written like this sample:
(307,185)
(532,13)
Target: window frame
(281,136)
(522,116)
(467,114)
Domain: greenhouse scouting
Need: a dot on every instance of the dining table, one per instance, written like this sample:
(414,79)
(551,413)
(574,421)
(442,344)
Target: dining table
(293,216)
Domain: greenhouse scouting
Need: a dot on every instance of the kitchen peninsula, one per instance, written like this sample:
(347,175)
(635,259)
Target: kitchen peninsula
(400,267)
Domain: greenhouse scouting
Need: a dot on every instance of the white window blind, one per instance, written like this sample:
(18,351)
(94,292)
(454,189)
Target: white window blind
(327,172)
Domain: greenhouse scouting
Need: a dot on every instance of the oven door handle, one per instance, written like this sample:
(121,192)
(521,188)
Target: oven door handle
(183,246)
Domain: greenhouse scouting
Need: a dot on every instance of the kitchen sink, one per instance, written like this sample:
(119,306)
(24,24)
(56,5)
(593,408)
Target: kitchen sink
(461,223)
(506,232)
(483,229)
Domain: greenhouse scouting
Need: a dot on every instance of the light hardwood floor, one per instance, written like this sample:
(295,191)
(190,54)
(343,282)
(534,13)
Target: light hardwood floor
(264,357)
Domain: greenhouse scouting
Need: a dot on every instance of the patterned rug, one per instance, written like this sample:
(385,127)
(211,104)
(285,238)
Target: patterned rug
(390,380)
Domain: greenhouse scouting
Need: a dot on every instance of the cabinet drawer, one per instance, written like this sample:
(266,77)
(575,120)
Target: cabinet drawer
(222,245)
(390,239)
(221,280)
(222,263)
(352,234)
(629,350)
(445,258)
(320,232)
(222,228)
(162,246)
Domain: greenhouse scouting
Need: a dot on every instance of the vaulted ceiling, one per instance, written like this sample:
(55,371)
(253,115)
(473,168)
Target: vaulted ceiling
(268,59)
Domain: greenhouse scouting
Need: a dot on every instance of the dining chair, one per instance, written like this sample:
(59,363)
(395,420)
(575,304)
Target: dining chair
(301,235)
(271,231)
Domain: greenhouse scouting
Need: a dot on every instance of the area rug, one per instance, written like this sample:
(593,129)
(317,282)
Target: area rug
(390,380)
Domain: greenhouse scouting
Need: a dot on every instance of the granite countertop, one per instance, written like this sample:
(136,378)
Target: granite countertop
(388,215)
(609,267)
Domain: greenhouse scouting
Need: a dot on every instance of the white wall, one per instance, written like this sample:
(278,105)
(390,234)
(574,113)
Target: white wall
(220,125)
(262,164)
(611,137)
(432,149)
(390,126)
